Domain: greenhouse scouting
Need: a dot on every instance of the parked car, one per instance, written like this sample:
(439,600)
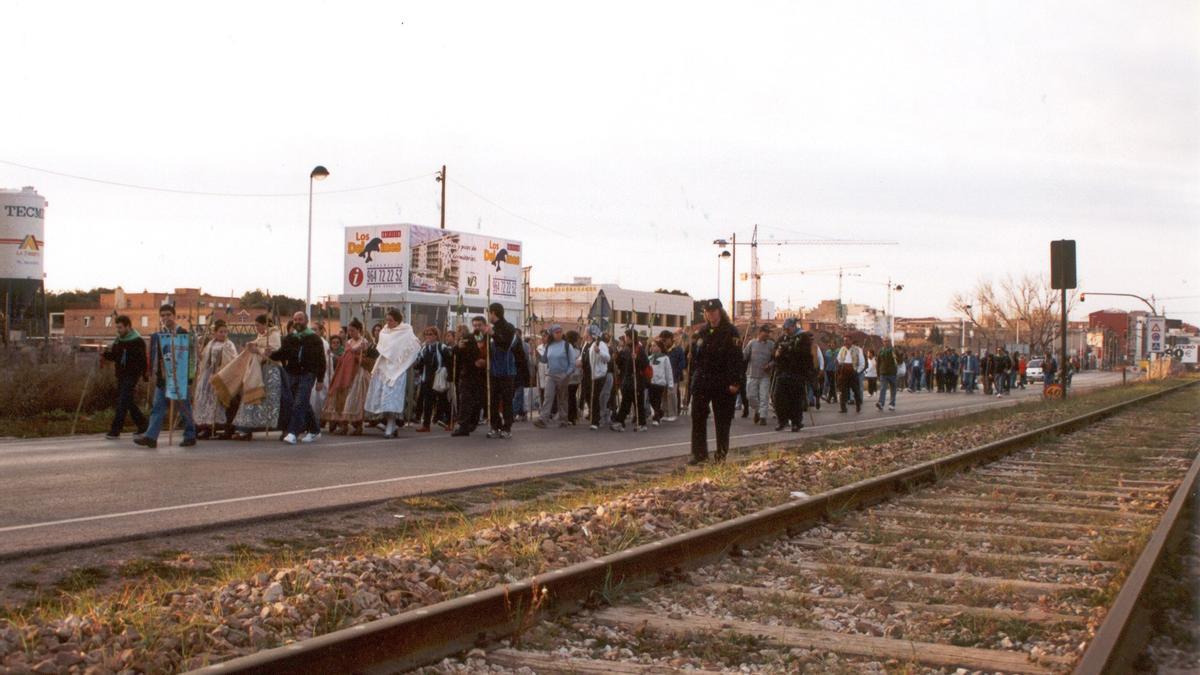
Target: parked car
(1033,370)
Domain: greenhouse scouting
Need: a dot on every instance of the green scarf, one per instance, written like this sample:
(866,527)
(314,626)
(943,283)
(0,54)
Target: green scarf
(305,333)
(129,337)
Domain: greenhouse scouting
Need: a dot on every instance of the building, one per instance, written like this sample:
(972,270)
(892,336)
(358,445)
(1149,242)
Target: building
(1108,335)
(581,302)
(766,310)
(192,306)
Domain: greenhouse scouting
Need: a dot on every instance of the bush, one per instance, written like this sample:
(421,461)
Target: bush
(35,384)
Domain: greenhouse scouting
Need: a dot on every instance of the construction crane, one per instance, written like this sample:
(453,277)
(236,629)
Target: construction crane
(840,270)
(756,276)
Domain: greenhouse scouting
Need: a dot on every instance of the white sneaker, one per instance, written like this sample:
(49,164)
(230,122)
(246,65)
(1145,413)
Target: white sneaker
(892,408)
(671,419)
(308,438)
(641,428)
(654,423)
(594,427)
(290,439)
(617,426)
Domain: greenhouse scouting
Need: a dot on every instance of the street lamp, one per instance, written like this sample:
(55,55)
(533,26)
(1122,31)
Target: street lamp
(720,256)
(318,173)
(963,330)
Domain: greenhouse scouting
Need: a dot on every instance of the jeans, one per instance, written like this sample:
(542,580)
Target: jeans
(969,381)
(886,382)
(519,401)
(159,412)
(759,391)
(126,405)
(302,417)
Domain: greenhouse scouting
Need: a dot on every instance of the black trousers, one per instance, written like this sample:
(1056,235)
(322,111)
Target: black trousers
(427,403)
(127,406)
(656,400)
(502,402)
(722,403)
(630,400)
(470,403)
(791,399)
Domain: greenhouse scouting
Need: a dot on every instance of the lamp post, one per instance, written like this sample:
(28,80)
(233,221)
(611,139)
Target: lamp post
(318,173)
(963,330)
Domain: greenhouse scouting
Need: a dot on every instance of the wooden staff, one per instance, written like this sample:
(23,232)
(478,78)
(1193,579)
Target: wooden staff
(171,370)
(86,384)
(487,357)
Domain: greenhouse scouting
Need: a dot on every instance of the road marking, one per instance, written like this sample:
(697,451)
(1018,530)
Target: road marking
(455,472)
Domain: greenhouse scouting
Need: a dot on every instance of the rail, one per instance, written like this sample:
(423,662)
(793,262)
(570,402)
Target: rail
(422,636)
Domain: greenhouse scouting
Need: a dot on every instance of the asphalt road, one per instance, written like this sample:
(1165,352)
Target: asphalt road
(66,492)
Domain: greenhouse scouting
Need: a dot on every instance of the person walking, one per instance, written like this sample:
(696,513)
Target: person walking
(502,371)
(172,365)
(304,361)
(661,380)
(717,369)
(261,391)
(887,362)
(348,386)
(398,348)
(472,376)
(559,358)
(633,368)
(678,356)
(209,412)
(128,356)
(970,369)
(850,362)
(871,374)
(830,371)
(795,368)
(432,366)
(759,355)
(598,358)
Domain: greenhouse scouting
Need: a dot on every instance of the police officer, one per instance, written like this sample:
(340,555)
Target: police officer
(795,367)
(716,374)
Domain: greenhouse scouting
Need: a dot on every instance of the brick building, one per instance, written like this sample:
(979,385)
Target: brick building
(192,306)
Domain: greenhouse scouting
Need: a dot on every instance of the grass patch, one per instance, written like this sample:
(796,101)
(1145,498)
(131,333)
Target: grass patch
(81,579)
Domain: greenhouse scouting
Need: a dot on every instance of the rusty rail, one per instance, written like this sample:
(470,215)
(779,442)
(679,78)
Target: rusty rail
(422,636)
(1126,627)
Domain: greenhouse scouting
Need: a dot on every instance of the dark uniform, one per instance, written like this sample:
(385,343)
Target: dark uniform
(716,366)
(794,370)
(472,382)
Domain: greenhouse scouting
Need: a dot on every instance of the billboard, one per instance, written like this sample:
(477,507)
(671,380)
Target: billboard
(22,234)
(419,259)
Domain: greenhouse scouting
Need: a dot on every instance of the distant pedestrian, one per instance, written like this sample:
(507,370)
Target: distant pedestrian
(559,357)
(633,369)
(348,386)
(128,355)
(759,355)
(172,365)
(398,348)
(887,362)
(303,356)
(433,373)
(796,359)
(502,371)
(210,414)
(850,362)
(472,375)
(717,369)
(600,382)
(871,374)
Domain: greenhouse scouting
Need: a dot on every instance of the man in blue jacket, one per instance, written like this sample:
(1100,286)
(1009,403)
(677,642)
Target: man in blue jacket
(172,359)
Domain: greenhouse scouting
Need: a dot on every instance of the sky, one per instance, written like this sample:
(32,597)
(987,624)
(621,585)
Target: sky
(618,140)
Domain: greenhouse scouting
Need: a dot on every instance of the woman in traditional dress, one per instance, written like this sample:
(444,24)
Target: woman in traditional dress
(263,414)
(207,410)
(398,348)
(348,389)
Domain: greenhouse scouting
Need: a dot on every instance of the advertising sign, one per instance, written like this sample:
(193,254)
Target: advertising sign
(1188,354)
(22,234)
(1156,334)
(376,257)
(415,258)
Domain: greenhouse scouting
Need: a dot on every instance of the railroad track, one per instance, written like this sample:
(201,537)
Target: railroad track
(1004,558)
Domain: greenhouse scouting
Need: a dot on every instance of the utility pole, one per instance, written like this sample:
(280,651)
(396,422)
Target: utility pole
(441,178)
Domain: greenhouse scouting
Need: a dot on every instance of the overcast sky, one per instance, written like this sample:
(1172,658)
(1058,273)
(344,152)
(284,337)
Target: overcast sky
(617,140)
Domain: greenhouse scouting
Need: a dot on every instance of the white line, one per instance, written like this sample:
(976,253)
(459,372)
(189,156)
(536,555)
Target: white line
(440,474)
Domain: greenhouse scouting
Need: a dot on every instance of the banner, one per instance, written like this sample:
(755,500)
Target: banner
(376,257)
(175,368)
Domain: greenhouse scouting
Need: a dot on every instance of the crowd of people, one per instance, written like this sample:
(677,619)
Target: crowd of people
(302,381)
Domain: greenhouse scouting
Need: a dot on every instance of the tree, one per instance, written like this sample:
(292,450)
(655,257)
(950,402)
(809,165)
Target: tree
(935,336)
(57,302)
(1024,307)
(281,304)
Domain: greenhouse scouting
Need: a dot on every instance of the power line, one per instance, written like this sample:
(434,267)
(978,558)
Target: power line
(511,213)
(202,193)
